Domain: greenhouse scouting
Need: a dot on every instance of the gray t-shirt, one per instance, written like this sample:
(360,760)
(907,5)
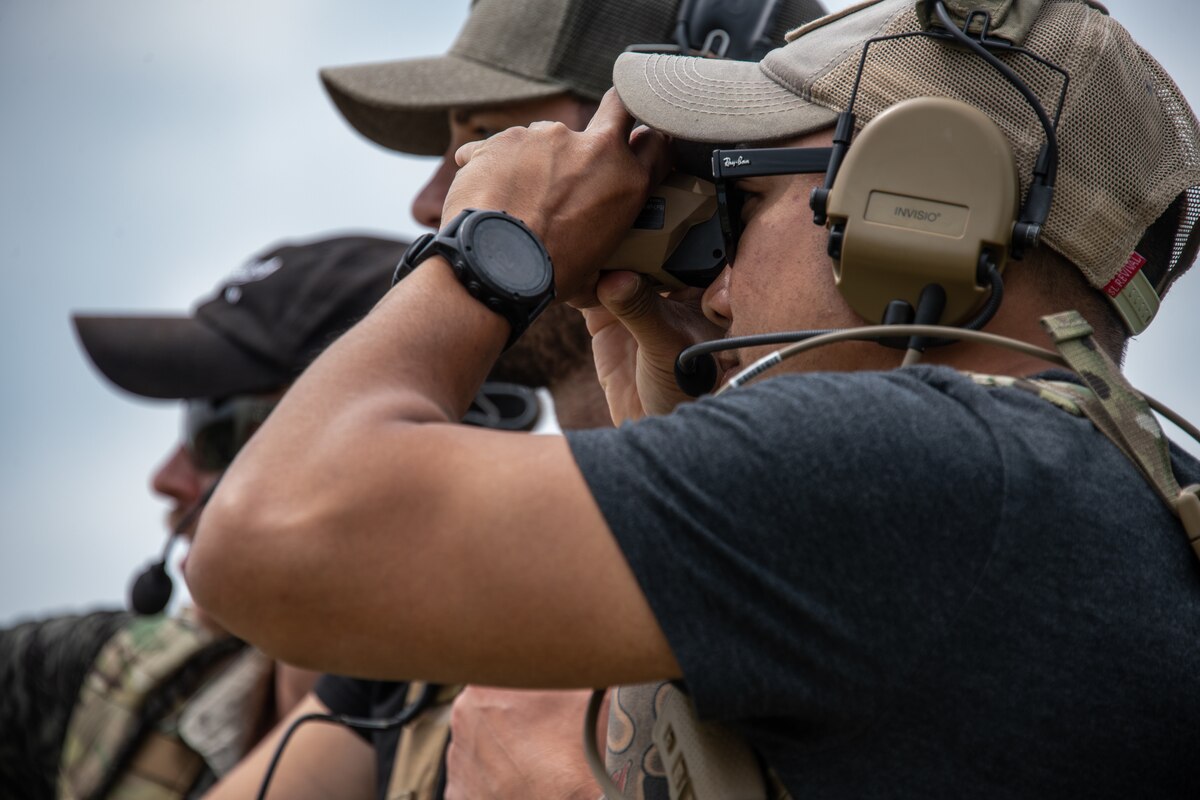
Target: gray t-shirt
(904,584)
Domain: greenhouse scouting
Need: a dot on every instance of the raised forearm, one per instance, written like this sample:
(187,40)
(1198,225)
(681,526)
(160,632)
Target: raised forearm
(358,518)
(323,462)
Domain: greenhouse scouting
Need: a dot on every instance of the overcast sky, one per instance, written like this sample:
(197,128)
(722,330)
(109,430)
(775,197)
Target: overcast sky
(147,148)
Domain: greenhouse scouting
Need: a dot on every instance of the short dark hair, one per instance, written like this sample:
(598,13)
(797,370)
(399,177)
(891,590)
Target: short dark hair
(555,347)
(1064,281)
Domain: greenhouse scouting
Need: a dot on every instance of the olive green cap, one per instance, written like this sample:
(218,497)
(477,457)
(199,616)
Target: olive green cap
(512,51)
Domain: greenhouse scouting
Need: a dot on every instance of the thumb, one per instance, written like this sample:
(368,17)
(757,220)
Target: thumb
(645,313)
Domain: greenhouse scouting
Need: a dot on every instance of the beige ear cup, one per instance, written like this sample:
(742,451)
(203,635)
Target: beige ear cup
(928,188)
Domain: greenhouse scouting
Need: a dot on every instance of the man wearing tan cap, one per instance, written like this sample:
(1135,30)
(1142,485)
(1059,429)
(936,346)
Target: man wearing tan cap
(970,575)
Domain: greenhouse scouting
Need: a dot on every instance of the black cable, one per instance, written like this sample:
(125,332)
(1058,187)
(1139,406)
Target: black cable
(736,342)
(687,362)
(1036,208)
(992,305)
(1006,71)
(406,715)
(986,312)
(689,354)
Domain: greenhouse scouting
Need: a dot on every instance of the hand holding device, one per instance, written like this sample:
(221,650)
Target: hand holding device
(578,191)
(636,336)
(676,240)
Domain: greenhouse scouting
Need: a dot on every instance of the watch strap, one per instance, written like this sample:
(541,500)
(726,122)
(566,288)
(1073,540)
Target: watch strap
(417,252)
(519,314)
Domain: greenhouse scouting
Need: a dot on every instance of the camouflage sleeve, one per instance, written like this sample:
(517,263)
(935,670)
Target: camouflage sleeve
(42,666)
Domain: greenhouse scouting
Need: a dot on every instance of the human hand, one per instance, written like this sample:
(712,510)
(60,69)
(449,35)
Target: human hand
(636,335)
(579,191)
(507,744)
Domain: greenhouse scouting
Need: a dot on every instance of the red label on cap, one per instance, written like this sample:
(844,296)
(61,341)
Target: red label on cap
(1132,267)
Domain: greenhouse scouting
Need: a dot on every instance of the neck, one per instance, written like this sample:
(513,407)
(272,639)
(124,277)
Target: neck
(291,685)
(1019,318)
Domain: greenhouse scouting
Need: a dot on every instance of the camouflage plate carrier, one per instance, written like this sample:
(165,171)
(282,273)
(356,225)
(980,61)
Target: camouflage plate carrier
(123,739)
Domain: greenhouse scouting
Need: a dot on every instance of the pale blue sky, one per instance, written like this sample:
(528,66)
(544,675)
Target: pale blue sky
(147,147)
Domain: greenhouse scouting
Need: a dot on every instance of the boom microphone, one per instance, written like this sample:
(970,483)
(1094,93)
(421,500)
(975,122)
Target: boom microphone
(151,590)
(696,376)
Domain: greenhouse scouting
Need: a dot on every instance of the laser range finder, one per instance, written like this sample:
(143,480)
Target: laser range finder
(676,239)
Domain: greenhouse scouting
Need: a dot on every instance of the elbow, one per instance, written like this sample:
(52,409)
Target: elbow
(222,556)
(231,572)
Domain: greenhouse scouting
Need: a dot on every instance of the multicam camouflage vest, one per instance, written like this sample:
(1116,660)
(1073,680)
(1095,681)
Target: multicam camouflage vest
(1123,415)
(123,738)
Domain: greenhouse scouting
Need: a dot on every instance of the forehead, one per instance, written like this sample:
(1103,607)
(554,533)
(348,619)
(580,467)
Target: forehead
(820,138)
(556,107)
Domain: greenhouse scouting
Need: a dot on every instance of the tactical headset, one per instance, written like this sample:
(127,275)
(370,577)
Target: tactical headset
(923,211)
(929,195)
(739,30)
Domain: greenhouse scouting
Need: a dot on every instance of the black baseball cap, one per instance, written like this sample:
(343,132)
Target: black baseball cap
(257,332)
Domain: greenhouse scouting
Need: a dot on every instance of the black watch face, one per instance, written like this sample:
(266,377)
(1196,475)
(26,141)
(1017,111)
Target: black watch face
(512,259)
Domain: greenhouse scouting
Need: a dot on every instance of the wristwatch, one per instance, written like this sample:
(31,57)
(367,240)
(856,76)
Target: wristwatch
(499,260)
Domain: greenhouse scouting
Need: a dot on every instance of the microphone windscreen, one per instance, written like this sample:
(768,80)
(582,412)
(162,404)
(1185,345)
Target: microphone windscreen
(697,377)
(151,590)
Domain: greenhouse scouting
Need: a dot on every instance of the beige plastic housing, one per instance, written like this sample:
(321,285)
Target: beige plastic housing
(673,208)
(704,760)
(925,187)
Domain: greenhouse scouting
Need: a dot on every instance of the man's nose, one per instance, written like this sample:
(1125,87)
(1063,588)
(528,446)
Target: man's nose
(177,477)
(427,205)
(715,302)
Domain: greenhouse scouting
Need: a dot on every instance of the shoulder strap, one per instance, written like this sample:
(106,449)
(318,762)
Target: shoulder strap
(127,682)
(1122,414)
(164,768)
(418,760)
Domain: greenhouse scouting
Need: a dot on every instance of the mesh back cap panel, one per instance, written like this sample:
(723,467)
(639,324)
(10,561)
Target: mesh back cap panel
(1127,138)
(597,32)
(495,26)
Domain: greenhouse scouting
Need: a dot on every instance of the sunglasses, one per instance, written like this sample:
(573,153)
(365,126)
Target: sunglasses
(731,166)
(215,430)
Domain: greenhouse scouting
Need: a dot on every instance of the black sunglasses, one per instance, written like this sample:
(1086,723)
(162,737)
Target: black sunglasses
(731,166)
(215,430)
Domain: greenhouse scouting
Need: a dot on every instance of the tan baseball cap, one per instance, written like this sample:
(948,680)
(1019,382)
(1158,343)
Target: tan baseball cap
(1129,144)
(510,51)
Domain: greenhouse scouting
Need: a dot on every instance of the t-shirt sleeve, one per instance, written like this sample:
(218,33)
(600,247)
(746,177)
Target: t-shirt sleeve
(806,541)
(42,667)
